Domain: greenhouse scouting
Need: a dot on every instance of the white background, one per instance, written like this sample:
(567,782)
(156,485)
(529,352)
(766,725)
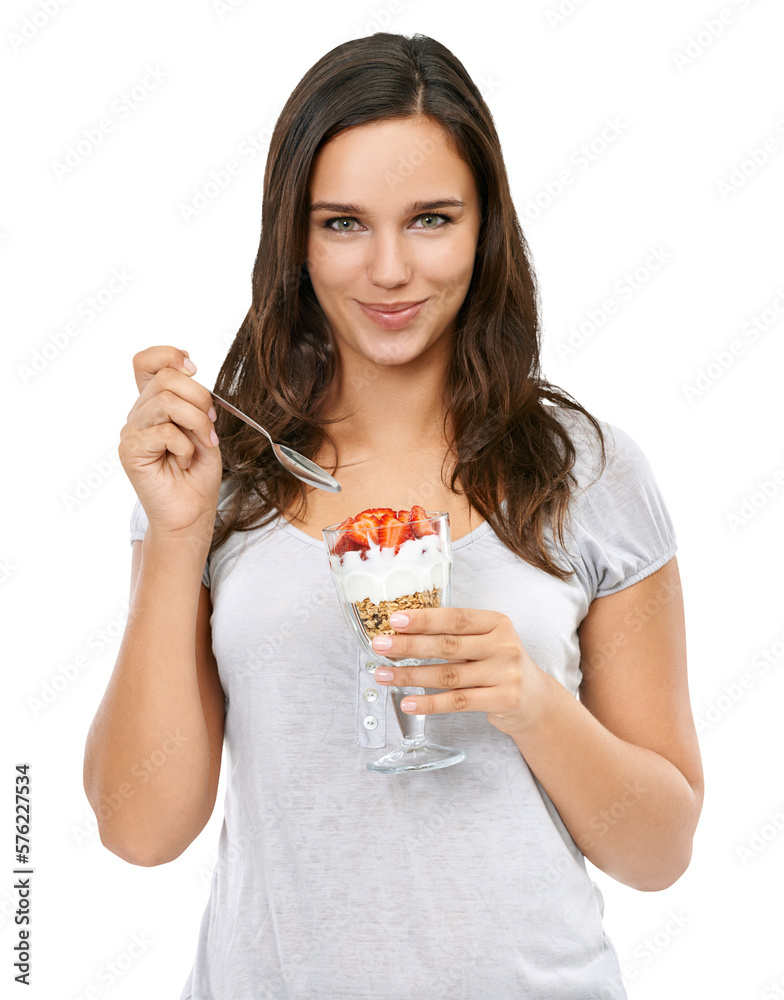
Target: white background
(689,101)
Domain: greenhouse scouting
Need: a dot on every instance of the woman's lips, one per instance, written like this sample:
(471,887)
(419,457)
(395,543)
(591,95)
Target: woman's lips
(391,320)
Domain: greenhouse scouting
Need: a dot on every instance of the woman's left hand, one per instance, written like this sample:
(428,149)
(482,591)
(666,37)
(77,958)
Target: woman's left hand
(489,669)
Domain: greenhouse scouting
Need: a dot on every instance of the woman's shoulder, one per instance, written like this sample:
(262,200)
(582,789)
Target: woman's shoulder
(617,513)
(603,454)
(228,486)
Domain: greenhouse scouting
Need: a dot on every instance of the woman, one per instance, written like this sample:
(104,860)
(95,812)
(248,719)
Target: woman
(385,188)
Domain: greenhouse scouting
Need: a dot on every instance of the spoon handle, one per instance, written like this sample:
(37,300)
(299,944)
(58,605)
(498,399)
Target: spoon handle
(241,415)
(291,460)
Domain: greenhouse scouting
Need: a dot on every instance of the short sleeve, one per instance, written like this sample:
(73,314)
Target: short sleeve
(139,525)
(619,521)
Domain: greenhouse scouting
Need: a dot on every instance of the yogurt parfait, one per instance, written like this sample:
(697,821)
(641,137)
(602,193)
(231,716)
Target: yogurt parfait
(386,560)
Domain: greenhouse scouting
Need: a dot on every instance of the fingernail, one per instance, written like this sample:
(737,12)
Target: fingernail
(407,705)
(214,437)
(383,674)
(382,642)
(398,620)
(188,365)
(212,414)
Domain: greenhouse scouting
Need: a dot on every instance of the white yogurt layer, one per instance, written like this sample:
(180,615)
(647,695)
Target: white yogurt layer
(384,576)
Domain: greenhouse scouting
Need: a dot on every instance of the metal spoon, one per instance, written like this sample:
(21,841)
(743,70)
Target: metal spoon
(296,464)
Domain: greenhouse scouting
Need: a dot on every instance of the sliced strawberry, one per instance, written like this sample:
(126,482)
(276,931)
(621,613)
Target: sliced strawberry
(344,543)
(363,531)
(377,512)
(392,533)
(418,520)
(358,539)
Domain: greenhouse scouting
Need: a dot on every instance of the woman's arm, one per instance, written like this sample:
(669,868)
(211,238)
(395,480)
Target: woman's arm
(153,753)
(622,765)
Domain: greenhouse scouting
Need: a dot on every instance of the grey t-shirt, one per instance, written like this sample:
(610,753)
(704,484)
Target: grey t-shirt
(337,883)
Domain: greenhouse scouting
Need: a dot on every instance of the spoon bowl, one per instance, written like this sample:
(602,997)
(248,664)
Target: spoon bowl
(291,460)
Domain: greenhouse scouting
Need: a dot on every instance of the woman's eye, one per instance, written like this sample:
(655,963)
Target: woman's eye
(341,228)
(431,217)
(345,223)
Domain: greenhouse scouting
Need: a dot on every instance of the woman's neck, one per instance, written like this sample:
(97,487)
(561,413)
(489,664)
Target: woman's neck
(388,409)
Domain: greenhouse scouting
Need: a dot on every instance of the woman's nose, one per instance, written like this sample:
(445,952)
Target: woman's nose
(389,262)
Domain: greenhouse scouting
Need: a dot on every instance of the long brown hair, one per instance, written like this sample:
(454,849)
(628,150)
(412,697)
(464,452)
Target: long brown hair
(283,361)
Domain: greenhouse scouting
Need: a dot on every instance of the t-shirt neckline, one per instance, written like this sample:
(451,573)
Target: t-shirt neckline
(292,529)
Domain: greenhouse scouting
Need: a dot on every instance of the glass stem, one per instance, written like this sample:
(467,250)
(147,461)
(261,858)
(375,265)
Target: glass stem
(411,726)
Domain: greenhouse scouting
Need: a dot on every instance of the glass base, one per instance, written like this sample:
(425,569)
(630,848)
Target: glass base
(420,756)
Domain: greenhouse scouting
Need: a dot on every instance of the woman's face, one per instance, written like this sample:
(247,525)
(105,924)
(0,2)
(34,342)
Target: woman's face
(384,230)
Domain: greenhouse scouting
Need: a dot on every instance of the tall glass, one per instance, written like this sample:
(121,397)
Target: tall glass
(374,583)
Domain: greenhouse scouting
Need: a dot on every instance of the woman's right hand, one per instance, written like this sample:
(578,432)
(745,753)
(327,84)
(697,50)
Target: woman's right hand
(165,446)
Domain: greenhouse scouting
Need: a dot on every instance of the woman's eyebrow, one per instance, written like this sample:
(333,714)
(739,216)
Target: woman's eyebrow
(413,206)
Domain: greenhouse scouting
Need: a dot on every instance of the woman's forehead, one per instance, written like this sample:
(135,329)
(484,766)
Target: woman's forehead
(396,162)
